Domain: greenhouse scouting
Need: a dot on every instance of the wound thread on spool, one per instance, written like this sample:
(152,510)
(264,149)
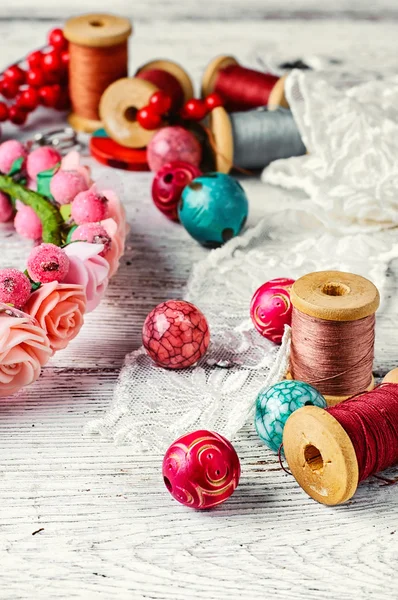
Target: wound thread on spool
(253,139)
(242,88)
(333,331)
(330,451)
(123,99)
(98,56)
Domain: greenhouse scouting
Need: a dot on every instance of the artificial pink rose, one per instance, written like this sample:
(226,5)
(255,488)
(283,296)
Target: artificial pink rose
(24,349)
(71,162)
(88,269)
(117,228)
(59,309)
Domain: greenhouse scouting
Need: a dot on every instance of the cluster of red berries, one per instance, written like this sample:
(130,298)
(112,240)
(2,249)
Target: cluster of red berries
(151,116)
(44,81)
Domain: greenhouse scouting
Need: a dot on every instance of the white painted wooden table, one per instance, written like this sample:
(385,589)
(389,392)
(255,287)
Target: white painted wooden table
(108,527)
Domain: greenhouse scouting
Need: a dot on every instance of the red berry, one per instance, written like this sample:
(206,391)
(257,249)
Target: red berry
(214,100)
(194,109)
(57,40)
(34,59)
(52,61)
(36,78)
(65,58)
(160,103)
(16,115)
(63,102)
(8,88)
(3,112)
(28,99)
(15,74)
(148,119)
(49,95)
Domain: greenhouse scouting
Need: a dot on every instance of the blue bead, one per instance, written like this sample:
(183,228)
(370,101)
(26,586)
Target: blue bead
(213,209)
(275,405)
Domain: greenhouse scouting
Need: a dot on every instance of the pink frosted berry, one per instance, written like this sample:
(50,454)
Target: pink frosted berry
(6,209)
(10,151)
(89,207)
(65,185)
(41,159)
(93,233)
(47,263)
(15,287)
(27,223)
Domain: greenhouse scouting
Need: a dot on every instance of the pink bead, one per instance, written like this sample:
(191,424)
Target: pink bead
(10,151)
(6,209)
(172,144)
(42,159)
(271,308)
(168,184)
(89,207)
(15,287)
(47,263)
(176,334)
(27,223)
(201,469)
(66,185)
(93,233)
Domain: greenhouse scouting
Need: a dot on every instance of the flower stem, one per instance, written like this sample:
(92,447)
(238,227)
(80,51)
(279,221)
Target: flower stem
(48,214)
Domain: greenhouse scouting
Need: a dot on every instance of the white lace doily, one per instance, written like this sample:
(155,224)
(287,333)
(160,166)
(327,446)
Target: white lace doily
(347,182)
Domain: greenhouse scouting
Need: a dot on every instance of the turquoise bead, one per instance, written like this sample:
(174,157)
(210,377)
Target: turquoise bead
(213,209)
(275,405)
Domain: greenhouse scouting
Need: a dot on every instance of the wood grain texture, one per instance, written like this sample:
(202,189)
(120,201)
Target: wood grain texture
(109,530)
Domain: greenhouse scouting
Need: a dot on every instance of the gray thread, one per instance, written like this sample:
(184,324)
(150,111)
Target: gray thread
(261,136)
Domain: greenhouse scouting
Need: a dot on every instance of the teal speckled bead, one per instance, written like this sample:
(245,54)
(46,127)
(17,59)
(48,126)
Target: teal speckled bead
(213,209)
(275,405)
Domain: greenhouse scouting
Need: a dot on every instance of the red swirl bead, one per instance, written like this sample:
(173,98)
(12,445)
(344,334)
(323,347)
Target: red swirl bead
(201,469)
(168,184)
(271,308)
(175,334)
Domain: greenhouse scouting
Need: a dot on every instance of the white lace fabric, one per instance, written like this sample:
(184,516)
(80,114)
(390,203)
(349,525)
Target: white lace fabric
(347,184)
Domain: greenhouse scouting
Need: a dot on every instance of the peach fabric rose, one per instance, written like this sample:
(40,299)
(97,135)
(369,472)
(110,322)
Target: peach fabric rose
(71,162)
(117,227)
(59,310)
(89,270)
(24,349)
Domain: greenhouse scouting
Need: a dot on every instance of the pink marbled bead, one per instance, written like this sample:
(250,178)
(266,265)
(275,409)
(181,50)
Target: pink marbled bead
(173,144)
(201,469)
(271,308)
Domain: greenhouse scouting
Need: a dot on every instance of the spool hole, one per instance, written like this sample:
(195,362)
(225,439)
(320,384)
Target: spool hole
(96,23)
(130,114)
(332,288)
(167,483)
(313,458)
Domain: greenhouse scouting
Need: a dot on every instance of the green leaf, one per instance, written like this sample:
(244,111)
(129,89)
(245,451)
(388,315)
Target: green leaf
(66,211)
(69,236)
(35,285)
(44,180)
(16,166)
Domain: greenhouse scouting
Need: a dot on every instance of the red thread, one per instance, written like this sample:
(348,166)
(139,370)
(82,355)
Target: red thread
(371,422)
(244,89)
(166,82)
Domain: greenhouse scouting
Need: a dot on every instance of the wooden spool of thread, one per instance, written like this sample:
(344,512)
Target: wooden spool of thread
(124,98)
(242,88)
(98,56)
(253,139)
(333,330)
(330,451)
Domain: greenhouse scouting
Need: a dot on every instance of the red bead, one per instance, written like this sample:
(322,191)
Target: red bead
(50,95)
(194,109)
(16,115)
(201,469)
(168,184)
(28,100)
(36,78)
(15,74)
(271,308)
(160,103)
(34,59)
(8,88)
(214,100)
(148,119)
(56,39)
(52,62)
(65,58)
(63,102)
(3,112)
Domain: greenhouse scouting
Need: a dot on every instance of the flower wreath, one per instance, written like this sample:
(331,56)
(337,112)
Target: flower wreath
(79,234)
